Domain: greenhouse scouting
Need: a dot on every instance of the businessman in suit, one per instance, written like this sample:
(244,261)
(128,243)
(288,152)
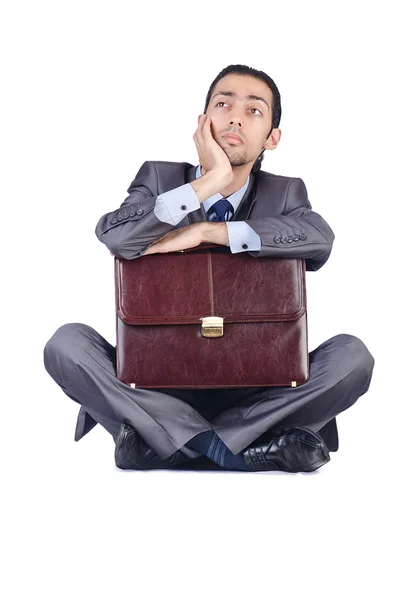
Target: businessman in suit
(228,200)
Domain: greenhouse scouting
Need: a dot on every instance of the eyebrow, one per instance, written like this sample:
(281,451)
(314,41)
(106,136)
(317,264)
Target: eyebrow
(249,97)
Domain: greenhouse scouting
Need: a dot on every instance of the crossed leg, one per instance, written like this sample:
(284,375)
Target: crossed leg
(340,372)
(83,364)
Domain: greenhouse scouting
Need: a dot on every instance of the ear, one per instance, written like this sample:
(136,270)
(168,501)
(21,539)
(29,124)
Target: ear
(273,140)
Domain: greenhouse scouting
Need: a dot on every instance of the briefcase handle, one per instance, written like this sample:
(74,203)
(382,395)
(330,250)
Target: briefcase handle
(204,247)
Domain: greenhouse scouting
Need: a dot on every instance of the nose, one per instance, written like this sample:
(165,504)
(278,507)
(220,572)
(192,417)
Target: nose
(236,118)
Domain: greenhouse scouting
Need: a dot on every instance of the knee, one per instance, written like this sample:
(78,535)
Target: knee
(356,353)
(64,343)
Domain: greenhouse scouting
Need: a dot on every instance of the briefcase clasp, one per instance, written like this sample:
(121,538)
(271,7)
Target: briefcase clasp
(212,326)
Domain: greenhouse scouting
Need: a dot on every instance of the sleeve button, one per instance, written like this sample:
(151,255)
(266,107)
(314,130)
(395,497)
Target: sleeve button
(289,239)
(113,221)
(139,211)
(296,238)
(302,236)
(277,239)
(132,213)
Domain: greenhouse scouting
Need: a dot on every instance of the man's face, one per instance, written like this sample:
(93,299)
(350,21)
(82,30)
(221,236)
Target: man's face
(250,118)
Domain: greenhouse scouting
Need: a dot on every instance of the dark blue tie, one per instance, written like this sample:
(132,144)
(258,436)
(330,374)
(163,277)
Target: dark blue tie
(221,208)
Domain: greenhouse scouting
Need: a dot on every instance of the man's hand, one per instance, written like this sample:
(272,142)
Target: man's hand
(213,159)
(178,239)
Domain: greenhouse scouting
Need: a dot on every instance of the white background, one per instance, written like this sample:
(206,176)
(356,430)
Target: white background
(90,90)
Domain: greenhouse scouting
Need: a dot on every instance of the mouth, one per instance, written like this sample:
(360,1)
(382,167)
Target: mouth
(233,139)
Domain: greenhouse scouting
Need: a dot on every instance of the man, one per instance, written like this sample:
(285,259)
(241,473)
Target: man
(226,199)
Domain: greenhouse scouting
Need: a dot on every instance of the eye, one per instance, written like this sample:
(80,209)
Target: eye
(222,102)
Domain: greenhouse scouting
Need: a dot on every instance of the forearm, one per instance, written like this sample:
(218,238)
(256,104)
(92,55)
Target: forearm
(129,240)
(207,185)
(215,233)
(144,217)
(300,234)
(174,205)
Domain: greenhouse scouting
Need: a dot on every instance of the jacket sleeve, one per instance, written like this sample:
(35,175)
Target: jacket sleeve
(129,230)
(298,233)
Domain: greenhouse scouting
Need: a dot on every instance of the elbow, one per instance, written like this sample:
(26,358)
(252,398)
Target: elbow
(124,252)
(316,262)
(320,257)
(116,243)
(329,235)
(115,247)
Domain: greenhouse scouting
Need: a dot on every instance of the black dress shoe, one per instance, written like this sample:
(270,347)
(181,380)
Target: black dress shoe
(132,452)
(293,450)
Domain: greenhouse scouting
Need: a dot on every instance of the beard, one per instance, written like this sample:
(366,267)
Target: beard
(236,156)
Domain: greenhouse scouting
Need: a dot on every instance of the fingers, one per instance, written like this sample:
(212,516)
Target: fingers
(207,127)
(196,133)
(201,122)
(203,119)
(204,141)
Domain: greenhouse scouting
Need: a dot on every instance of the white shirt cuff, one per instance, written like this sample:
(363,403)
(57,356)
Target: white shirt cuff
(171,207)
(242,237)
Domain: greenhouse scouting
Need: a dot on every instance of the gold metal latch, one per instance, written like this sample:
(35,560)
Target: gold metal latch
(212,326)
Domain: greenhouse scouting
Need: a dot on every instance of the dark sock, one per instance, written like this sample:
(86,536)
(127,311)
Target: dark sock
(201,442)
(210,444)
(228,460)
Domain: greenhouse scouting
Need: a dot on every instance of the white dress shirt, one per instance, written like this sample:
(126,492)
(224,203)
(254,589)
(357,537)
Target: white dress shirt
(169,210)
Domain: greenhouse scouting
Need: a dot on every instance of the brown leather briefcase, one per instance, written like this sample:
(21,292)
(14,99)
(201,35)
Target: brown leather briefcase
(207,318)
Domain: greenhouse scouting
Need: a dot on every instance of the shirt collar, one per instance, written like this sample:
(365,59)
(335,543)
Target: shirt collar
(234,198)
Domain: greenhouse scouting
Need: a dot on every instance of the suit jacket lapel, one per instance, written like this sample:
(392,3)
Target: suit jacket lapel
(244,209)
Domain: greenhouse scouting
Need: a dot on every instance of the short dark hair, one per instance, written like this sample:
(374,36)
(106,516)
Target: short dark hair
(276,100)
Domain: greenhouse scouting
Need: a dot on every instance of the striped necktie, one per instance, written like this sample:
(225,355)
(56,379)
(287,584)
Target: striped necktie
(221,210)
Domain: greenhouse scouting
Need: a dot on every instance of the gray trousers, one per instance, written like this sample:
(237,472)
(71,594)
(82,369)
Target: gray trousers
(83,364)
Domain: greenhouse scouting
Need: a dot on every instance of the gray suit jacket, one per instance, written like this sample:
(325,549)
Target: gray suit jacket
(275,206)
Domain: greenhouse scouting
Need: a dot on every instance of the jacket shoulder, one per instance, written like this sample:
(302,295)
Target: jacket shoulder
(167,166)
(267,177)
(278,183)
(291,191)
(159,175)
(170,162)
